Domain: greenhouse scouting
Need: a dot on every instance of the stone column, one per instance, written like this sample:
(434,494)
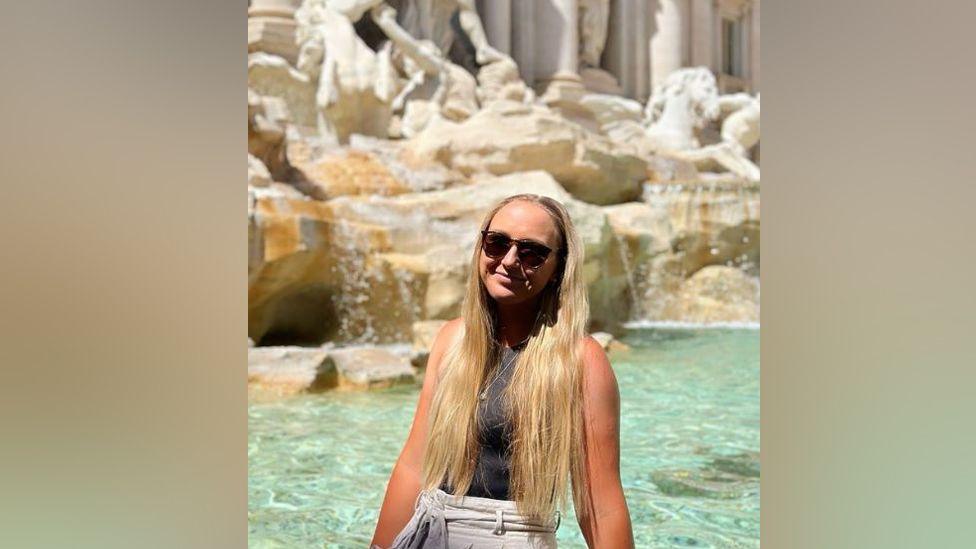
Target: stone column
(496,16)
(557,42)
(524,39)
(271,28)
(754,48)
(702,33)
(626,52)
(669,42)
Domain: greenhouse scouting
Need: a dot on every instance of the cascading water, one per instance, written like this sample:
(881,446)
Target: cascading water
(636,307)
(355,324)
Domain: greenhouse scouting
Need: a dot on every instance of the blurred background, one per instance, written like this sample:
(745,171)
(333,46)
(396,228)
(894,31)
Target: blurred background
(379,133)
(124,406)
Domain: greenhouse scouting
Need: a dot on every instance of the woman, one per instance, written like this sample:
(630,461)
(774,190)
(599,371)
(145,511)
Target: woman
(517,403)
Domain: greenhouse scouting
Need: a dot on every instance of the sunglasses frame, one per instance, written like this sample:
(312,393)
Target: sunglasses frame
(518,246)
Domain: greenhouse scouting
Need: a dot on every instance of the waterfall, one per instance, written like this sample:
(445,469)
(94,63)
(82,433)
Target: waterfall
(355,287)
(637,309)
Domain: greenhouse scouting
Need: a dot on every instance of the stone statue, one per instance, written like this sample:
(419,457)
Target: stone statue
(431,20)
(435,87)
(594,16)
(670,124)
(355,84)
(740,132)
(740,129)
(682,104)
(267,120)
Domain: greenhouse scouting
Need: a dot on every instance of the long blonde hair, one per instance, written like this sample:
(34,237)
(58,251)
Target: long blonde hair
(545,394)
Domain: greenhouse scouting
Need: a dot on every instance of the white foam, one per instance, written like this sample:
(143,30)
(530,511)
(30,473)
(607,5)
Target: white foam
(679,325)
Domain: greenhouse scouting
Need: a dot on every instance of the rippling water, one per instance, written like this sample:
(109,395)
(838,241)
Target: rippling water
(318,465)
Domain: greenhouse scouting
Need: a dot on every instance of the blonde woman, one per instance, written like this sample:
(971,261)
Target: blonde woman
(519,405)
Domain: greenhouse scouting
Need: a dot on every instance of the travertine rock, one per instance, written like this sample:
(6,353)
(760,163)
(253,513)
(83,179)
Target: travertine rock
(506,137)
(609,343)
(675,232)
(272,76)
(716,294)
(347,172)
(308,273)
(290,370)
(257,173)
(267,125)
(713,223)
(370,367)
(424,333)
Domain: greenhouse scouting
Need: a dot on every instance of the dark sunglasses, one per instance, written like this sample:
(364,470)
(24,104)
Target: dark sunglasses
(531,254)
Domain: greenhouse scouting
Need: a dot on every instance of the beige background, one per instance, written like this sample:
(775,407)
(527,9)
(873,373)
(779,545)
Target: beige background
(123,288)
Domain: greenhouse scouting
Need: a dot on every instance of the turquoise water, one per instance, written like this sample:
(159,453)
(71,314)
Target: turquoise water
(318,464)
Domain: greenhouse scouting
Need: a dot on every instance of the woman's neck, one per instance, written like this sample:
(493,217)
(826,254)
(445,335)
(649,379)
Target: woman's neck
(515,322)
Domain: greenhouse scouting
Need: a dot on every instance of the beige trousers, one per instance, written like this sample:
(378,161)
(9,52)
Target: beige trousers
(443,521)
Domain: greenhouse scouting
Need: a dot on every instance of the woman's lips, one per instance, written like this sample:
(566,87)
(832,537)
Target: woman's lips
(507,277)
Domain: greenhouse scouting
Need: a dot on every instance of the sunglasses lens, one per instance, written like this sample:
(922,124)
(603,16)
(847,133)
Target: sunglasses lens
(531,256)
(496,245)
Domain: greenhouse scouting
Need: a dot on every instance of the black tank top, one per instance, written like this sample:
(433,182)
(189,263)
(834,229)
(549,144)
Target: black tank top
(491,471)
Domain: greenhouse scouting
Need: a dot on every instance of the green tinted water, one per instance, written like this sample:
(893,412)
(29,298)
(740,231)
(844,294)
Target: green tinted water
(318,465)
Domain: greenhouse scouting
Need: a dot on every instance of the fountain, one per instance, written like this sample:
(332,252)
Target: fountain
(359,231)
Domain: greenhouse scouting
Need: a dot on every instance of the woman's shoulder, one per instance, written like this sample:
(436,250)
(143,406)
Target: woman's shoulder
(450,329)
(447,333)
(597,372)
(593,351)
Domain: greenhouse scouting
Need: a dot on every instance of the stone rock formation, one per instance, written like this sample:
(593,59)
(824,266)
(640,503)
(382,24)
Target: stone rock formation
(346,172)
(675,232)
(508,137)
(371,367)
(280,371)
(267,122)
(257,174)
(716,294)
(355,268)
(272,76)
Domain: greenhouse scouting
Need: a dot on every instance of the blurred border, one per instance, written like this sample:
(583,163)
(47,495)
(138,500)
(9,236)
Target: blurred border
(867,258)
(124,299)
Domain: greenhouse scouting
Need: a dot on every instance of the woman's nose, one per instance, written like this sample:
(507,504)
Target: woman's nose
(511,257)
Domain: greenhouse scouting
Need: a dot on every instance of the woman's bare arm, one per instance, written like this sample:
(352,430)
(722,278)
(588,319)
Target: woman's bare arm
(608,525)
(405,481)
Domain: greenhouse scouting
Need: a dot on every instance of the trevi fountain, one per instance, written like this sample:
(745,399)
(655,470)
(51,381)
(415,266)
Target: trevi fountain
(379,132)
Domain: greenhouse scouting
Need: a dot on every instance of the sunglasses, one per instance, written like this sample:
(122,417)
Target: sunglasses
(531,254)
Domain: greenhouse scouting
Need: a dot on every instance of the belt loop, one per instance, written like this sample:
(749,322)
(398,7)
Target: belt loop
(498,522)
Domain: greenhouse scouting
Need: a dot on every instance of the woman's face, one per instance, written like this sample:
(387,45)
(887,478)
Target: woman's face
(506,279)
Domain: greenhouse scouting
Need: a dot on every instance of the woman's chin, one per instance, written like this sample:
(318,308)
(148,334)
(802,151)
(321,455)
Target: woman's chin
(505,295)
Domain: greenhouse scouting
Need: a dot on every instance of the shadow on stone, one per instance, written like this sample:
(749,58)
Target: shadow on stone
(305,317)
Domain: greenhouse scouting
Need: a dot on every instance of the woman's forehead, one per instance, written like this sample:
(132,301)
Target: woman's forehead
(521,219)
